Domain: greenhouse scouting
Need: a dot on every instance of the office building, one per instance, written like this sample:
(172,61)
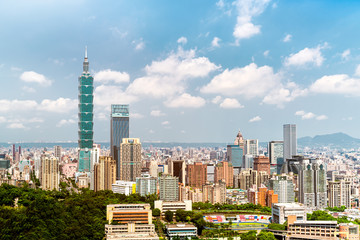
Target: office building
(196,174)
(248,161)
(125,213)
(4,163)
(251,147)
(248,178)
(239,141)
(224,172)
(49,173)
(283,186)
(290,141)
(339,193)
(214,193)
(281,212)
(312,184)
(348,231)
(124,187)
(189,193)
(85,117)
(326,230)
(262,163)
(177,168)
(172,206)
(276,156)
(131,231)
(104,173)
(234,155)
(153,169)
(262,196)
(119,129)
(210,172)
(130,159)
(57,152)
(146,185)
(169,188)
(181,231)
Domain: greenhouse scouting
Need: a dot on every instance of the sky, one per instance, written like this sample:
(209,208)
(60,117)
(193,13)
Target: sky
(192,71)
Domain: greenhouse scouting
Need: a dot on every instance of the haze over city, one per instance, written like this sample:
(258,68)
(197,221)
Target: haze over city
(192,71)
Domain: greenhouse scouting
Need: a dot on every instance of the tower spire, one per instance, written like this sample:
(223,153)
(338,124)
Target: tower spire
(85,63)
(85,51)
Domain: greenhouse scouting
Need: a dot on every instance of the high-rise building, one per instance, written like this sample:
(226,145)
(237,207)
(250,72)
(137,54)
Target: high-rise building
(86,116)
(276,156)
(119,129)
(234,155)
(210,172)
(145,185)
(251,147)
(339,193)
(262,163)
(130,159)
(248,161)
(177,168)
(57,152)
(214,193)
(104,173)
(239,140)
(283,187)
(153,169)
(196,174)
(224,171)
(169,188)
(248,178)
(49,174)
(290,142)
(312,184)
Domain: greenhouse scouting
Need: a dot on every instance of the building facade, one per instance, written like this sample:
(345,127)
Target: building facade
(339,193)
(104,173)
(290,141)
(283,186)
(224,172)
(169,188)
(234,155)
(262,163)
(196,174)
(50,175)
(251,147)
(130,159)
(276,156)
(146,185)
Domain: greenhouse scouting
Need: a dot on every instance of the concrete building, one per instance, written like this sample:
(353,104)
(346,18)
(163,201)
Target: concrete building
(290,141)
(234,155)
(214,193)
(283,186)
(104,173)
(57,152)
(146,185)
(276,156)
(196,174)
(348,231)
(124,187)
(129,213)
(177,168)
(210,173)
(325,230)
(262,163)
(281,212)
(248,178)
(130,159)
(131,231)
(189,193)
(181,230)
(169,188)
(248,161)
(50,175)
(224,172)
(262,196)
(251,147)
(339,193)
(173,206)
(239,140)
(153,169)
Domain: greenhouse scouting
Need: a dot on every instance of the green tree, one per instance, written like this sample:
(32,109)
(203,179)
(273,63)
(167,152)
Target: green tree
(180,215)
(263,235)
(250,235)
(169,215)
(156,212)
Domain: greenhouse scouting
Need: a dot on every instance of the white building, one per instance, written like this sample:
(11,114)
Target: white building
(124,187)
(184,231)
(281,211)
(185,205)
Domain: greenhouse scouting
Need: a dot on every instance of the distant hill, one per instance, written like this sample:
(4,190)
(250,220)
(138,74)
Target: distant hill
(335,140)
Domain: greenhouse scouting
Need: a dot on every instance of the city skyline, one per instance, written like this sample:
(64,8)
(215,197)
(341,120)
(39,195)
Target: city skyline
(248,65)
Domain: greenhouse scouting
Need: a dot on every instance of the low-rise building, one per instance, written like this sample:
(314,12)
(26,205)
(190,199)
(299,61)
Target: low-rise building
(124,187)
(349,231)
(281,211)
(131,231)
(125,213)
(173,206)
(324,230)
(184,231)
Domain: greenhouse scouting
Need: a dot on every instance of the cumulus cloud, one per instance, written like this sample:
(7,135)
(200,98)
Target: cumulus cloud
(357,71)
(136,115)
(182,40)
(186,101)
(60,105)
(64,122)
(166,78)
(337,84)
(216,99)
(157,113)
(345,55)
(230,103)
(17,105)
(249,81)
(108,75)
(309,115)
(34,77)
(215,42)
(307,56)
(248,9)
(283,94)
(16,126)
(287,38)
(105,95)
(266,53)
(255,119)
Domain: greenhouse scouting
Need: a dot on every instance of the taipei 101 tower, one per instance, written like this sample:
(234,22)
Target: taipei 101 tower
(86,116)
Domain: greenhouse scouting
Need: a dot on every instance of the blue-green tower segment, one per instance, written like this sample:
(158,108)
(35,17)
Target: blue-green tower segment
(86,116)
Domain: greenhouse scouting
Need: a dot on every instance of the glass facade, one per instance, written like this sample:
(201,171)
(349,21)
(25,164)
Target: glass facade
(119,129)
(235,155)
(276,155)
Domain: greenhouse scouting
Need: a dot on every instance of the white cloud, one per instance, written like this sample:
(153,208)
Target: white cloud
(337,84)
(321,117)
(64,122)
(266,53)
(231,103)
(309,115)
(157,113)
(216,99)
(167,77)
(105,95)
(345,55)
(300,113)
(283,94)
(2,119)
(15,69)
(185,100)
(287,38)
(248,9)
(16,126)
(17,105)
(28,89)
(255,119)
(249,81)
(108,75)
(136,115)
(306,56)
(220,3)
(165,123)
(215,42)
(60,105)
(139,44)
(33,77)
(357,71)
(117,33)
(347,119)
(182,40)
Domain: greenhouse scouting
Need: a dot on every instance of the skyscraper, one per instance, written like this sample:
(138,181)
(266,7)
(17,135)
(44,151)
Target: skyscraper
(104,173)
(283,187)
(85,117)
(169,188)
(57,152)
(119,129)
(290,143)
(196,174)
(130,159)
(339,193)
(234,155)
(251,147)
(50,177)
(276,155)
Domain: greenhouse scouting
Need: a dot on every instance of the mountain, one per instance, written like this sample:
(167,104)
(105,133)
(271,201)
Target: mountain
(335,140)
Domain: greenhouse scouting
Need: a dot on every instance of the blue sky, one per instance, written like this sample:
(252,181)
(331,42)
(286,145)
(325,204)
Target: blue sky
(192,71)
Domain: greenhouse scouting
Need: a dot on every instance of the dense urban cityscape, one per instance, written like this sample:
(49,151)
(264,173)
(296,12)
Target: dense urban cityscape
(199,119)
